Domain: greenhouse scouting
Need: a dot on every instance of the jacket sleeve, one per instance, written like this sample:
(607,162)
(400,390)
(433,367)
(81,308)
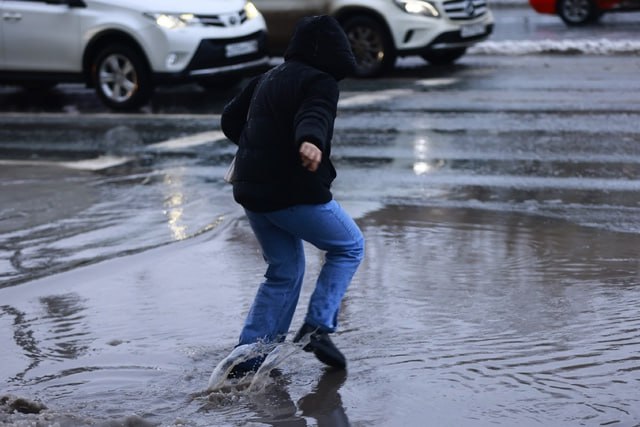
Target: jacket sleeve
(234,115)
(315,117)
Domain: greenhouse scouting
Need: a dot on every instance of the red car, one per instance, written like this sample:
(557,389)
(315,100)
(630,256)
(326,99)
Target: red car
(581,12)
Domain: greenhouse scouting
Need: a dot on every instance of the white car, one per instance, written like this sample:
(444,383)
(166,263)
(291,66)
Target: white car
(124,48)
(381,30)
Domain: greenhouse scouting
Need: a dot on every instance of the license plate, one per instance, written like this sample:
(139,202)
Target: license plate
(472,30)
(241,48)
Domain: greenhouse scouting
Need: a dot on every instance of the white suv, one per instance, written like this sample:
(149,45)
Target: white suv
(381,30)
(124,48)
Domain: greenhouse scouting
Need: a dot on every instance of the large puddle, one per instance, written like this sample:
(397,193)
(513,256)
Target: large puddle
(463,313)
(457,317)
(500,285)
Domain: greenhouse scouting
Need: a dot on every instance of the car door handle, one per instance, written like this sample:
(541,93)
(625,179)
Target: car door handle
(11,16)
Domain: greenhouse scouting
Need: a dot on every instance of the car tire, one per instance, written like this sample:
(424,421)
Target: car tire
(578,12)
(444,56)
(121,77)
(371,45)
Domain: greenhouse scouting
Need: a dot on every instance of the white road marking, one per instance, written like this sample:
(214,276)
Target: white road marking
(107,161)
(99,163)
(372,97)
(188,141)
(95,164)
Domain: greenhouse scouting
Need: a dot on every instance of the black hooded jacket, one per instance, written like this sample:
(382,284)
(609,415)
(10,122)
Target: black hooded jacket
(279,110)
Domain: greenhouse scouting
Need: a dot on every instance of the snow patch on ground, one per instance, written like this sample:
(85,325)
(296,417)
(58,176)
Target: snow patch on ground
(529,47)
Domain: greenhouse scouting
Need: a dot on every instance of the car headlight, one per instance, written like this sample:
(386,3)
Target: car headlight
(172,21)
(251,10)
(418,7)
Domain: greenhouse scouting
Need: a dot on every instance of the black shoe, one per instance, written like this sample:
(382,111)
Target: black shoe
(321,345)
(245,368)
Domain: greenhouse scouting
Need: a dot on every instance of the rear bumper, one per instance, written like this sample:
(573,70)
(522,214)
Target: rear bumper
(543,6)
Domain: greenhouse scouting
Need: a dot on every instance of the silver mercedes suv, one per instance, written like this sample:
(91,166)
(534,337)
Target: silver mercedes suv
(381,30)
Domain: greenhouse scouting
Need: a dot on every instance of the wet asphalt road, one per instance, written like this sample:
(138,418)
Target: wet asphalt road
(502,128)
(499,198)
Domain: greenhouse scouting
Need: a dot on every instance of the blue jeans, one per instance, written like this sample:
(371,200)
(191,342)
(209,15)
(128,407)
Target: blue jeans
(280,234)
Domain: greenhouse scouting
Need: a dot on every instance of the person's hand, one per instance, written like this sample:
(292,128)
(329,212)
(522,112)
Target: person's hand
(311,156)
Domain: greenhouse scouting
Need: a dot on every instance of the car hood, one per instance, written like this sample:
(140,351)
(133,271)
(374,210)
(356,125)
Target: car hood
(200,7)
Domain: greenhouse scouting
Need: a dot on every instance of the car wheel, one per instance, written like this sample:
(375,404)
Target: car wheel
(444,56)
(371,45)
(121,78)
(578,12)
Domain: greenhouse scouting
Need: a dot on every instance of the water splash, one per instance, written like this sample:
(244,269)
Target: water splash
(256,382)
(240,354)
(274,359)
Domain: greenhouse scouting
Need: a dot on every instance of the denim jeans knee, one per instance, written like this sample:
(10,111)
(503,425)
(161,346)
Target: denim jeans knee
(280,234)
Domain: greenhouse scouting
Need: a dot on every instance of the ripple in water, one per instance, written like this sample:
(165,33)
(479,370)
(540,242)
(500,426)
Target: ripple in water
(511,317)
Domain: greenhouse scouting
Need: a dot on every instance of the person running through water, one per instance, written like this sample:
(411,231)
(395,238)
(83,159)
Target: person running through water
(282,122)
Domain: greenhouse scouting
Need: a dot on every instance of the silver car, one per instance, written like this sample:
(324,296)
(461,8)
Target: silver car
(381,30)
(124,48)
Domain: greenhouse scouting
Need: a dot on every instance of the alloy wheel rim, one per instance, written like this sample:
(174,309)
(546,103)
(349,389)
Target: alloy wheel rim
(118,78)
(367,46)
(576,10)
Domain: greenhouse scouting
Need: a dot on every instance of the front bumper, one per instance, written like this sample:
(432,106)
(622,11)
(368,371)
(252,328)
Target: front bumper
(450,40)
(454,29)
(212,59)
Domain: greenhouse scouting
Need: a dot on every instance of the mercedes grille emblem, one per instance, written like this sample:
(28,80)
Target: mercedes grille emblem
(470,8)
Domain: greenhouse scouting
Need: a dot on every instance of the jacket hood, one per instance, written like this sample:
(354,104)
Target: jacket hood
(320,41)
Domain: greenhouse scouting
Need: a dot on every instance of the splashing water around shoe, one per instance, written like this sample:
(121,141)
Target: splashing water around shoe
(273,360)
(262,360)
(220,374)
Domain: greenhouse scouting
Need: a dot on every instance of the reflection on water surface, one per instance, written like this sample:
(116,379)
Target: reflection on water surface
(458,317)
